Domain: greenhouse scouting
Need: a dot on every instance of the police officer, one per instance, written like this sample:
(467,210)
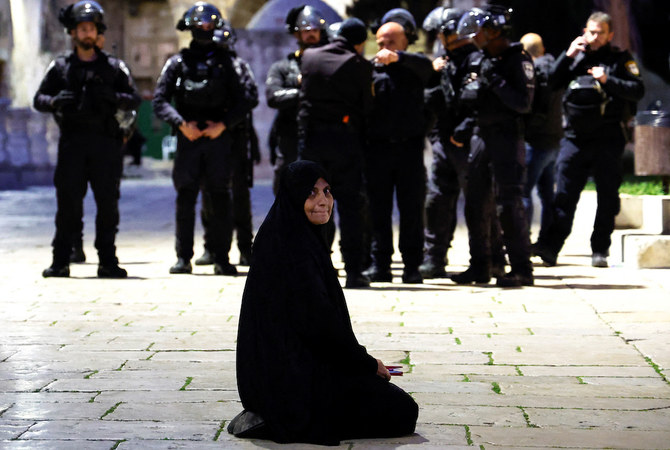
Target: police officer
(505,85)
(208,104)
(450,141)
(448,168)
(335,97)
(394,155)
(245,153)
(543,133)
(603,86)
(83,89)
(282,86)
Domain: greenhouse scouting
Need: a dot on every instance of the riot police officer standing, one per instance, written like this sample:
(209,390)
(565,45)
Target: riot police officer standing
(245,153)
(335,98)
(282,86)
(84,89)
(208,104)
(394,155)
(504,93)
(603,86)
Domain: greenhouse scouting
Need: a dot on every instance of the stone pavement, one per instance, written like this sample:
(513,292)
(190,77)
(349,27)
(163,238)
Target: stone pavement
(578,361)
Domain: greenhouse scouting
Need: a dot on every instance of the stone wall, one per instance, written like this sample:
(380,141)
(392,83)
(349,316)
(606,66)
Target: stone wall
(28,147)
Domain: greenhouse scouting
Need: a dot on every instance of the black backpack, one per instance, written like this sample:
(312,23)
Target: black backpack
(584,104)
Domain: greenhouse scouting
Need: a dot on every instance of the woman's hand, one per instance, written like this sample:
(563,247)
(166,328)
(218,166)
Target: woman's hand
(382,371)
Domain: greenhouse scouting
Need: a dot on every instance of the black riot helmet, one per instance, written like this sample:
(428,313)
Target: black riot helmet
(404,18)
(83,11)
(498,18)
(200,14)
(433,21)
(305,17)
(495,17)
(449,20)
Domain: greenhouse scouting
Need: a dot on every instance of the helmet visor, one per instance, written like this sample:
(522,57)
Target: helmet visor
(309,20)
(204,15)
(470,24)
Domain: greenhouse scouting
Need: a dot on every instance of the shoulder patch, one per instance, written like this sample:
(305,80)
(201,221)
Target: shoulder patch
(528,69)
(633,68)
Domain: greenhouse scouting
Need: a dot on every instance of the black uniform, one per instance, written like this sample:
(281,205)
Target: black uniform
(593,145)
(543,132)
(202,81)
(335,97)
(450,163)
(89,147)
(245,152)
(282,86)
(394,158)
(498,160)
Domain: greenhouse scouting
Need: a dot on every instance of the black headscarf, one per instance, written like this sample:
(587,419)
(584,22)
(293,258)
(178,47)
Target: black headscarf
(295,337)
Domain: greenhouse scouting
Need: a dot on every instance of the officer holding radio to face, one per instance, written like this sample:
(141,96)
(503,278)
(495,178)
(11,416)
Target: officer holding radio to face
(603,86)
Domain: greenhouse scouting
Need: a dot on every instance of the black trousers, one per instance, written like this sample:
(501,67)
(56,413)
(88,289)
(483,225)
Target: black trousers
(396,167)
(337,148)
(241,198)
(496,169)
(87,158)
(205,163)
(448,177)
(578,158)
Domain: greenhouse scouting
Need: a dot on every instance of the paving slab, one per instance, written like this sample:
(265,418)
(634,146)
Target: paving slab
(581,360)
(545,437)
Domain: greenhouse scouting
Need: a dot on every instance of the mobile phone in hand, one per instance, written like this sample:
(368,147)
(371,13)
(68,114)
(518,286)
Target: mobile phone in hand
(395,371)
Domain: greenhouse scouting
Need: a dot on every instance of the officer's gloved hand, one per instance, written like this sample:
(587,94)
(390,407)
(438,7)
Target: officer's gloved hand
(63,98)
(105,93)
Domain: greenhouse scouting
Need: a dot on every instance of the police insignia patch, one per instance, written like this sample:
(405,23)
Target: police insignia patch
(633,68)
(528,69)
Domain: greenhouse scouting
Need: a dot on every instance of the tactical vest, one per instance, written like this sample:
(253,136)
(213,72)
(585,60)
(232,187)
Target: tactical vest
(584,104)
(201,83)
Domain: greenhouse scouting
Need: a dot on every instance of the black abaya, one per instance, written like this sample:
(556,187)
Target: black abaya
(299,365)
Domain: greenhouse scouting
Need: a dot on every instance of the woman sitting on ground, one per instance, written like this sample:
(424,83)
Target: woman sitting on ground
(301,374)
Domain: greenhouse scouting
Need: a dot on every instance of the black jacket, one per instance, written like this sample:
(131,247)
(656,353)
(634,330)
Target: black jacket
(507,85)
(544,124)
(442,100)
(101,87)
(204,85)
(398,111)
(623,86)
(282,86)
(336,85)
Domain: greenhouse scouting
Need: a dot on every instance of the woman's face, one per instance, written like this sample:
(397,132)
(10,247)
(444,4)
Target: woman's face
(319,204)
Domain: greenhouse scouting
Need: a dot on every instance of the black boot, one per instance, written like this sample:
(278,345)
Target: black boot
(56,271)
(431,269)
(357,281)
(182,266)
(472,275)
(411,275)
(111,271)
(77,255)
(224,268)
(378,274)
(206,259)
(515,279)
